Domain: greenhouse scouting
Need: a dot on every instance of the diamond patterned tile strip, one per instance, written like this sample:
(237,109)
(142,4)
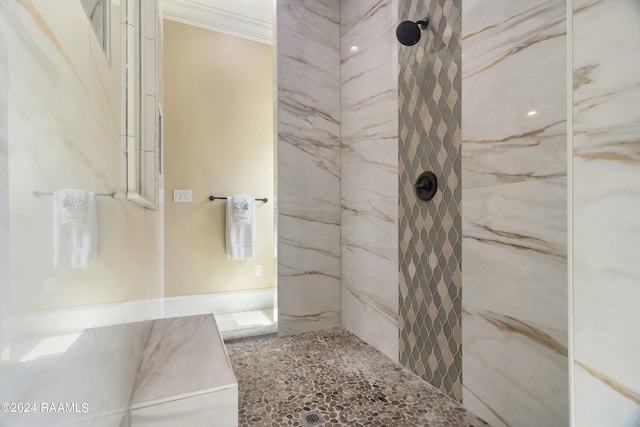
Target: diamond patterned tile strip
(430,246)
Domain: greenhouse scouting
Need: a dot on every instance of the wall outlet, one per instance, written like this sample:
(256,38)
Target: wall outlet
(49,285)
(182,196)
(257,270)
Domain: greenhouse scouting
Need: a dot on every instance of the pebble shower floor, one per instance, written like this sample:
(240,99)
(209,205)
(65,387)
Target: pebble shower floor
(348,381)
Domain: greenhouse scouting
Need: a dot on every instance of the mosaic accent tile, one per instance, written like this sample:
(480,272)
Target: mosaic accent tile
(430,232)
(348,381)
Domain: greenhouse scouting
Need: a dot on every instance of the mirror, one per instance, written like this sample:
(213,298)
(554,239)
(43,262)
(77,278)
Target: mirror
(142,118)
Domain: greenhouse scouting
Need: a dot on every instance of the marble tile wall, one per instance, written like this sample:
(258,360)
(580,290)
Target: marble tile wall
(4,197)
(369,172)
(63,131)
(308,164)
(514,212)
(429,232)
(606,202)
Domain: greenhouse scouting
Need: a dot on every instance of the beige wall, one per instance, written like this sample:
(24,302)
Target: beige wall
(64,130)
(218,141)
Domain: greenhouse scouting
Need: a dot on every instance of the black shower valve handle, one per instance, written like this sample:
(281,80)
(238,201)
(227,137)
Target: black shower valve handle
(423,186)
(426,186)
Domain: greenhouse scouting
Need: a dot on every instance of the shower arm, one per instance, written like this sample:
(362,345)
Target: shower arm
(424,23)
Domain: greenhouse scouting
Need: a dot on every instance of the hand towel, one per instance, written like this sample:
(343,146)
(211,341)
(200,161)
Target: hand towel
(241,227)
(75,229)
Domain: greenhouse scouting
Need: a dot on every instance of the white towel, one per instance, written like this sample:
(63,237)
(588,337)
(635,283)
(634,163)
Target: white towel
(241,227)
(75,229)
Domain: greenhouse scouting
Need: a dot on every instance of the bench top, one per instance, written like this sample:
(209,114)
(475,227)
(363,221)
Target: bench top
(184,356)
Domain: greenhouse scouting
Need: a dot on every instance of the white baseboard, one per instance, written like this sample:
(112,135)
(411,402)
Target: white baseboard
(45,323)
(218,303)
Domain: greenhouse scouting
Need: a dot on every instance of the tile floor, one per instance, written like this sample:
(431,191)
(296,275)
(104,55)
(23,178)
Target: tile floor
(349,382)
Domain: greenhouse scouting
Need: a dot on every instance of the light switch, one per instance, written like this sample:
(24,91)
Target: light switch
(182,196)
(257,270)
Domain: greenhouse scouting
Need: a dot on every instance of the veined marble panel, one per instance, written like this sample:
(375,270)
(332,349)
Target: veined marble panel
(307,301)
(308,155)
(369,90)
(44,29)
(514,247)
(184,357)
(514,212)
(369,273)
(369,172)
(308,268)
(219,408)
(64,133)
(320,319)
(526,363)
(514,109)
(4,200)
(600,401)
(99,370)
(369,254)
(308,163)
(372,321)
(309,231)
(308,102)
(606,197)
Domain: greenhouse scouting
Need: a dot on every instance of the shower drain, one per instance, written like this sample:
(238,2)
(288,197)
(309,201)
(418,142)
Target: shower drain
(310,419)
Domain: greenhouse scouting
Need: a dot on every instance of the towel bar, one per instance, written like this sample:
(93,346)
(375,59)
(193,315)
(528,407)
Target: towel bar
(40,193)
(212,198)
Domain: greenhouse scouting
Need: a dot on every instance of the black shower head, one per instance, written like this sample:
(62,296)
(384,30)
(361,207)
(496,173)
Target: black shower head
(408,32)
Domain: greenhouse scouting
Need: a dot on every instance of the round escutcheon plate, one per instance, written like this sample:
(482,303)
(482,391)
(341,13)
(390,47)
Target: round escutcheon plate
(426,186)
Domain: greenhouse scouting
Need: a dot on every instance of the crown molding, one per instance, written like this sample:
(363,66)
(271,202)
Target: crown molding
(212,18)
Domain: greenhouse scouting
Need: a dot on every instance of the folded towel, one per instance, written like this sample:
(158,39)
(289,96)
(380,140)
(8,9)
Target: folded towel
(75,229)
(241,210)
(241,227)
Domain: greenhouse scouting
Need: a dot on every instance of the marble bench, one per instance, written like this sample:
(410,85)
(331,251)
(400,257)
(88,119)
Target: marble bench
(185,377)
(163,372)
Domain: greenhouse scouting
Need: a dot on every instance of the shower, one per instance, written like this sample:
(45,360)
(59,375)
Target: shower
(408,32)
